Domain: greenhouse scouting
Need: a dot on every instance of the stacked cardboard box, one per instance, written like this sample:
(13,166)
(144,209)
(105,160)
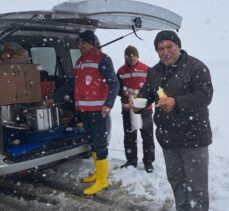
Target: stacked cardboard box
(19,83)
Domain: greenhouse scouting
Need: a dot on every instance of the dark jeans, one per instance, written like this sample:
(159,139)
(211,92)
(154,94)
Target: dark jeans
(130,138)
(95,126)
(187,172)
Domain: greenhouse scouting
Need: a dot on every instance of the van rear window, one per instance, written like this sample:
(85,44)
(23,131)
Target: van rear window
(45,57)
(75,54)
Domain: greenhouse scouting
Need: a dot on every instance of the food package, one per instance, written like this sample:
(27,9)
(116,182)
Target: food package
(139,102)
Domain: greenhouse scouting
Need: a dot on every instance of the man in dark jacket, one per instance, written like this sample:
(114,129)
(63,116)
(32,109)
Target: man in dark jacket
(182,119)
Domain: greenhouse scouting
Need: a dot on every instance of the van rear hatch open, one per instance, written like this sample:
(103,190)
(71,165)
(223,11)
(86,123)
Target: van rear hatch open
(106,14)
(57,29)
(120,14)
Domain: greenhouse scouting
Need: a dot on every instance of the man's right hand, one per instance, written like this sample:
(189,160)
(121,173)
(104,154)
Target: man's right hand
(167,104)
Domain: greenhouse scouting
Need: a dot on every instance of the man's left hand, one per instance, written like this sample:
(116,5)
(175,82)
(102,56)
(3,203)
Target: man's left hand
(167,104)
(105,111)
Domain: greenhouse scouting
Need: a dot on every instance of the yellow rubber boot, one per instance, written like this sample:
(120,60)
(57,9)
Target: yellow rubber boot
(101,178)
(91,178)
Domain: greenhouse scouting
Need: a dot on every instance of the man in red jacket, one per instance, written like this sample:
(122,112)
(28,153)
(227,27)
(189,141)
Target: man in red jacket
(95,88)
(132,76)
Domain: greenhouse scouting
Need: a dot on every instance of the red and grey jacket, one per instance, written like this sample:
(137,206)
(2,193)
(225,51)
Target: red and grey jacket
(93,87)
(131,77)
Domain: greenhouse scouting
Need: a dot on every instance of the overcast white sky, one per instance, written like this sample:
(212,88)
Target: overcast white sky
(204,31)
(204,24)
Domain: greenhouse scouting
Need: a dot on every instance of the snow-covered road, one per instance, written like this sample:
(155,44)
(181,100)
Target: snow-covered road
(60,188)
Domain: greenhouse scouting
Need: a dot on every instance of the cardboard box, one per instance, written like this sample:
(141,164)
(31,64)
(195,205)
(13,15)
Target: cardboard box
(19,83)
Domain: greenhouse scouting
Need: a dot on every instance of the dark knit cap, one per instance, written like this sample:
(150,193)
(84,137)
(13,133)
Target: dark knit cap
(167,35)
(88,36)
(131,50)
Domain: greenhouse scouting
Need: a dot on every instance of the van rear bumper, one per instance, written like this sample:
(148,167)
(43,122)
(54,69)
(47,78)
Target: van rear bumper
(7,167)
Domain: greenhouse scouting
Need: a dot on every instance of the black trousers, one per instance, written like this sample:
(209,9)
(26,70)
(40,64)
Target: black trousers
(130,138)
(187,172)
(95,126)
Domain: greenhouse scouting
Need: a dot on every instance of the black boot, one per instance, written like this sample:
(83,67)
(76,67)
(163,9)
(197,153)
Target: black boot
(129,163)
(148,167)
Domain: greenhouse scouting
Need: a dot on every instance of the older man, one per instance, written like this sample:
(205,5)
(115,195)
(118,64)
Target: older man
(182,120)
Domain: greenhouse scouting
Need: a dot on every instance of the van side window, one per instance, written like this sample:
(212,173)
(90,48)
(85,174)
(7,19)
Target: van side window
(45,57)
(75,54)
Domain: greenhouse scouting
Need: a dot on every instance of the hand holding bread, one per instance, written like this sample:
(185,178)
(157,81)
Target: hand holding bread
(165,102)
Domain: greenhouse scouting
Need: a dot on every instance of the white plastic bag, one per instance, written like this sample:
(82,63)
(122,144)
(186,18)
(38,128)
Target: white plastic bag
(136,120)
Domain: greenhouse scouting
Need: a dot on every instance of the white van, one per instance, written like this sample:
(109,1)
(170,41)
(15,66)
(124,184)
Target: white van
(32,134)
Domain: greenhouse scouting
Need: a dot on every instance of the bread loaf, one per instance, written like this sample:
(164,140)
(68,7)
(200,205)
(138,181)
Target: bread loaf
(161,93)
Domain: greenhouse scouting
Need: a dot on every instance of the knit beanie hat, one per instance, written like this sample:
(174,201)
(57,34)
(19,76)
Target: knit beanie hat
(88,36)
(167,35)
(131,50)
